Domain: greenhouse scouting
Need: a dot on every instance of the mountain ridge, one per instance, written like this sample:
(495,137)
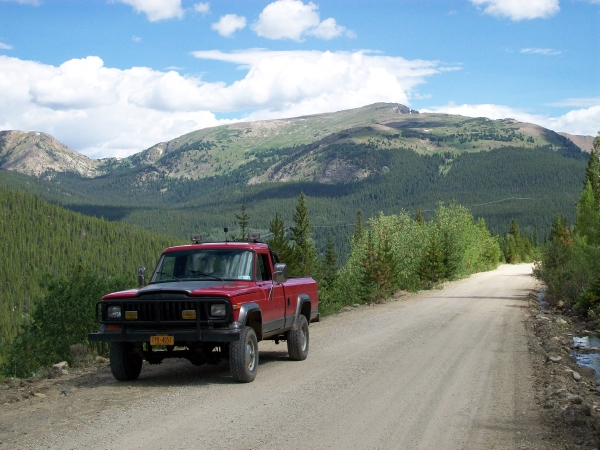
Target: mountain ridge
(224,149)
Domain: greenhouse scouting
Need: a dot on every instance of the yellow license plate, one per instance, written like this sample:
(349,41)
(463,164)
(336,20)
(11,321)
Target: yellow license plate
(162,339)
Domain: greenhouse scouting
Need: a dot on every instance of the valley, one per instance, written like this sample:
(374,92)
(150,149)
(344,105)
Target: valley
(379,158)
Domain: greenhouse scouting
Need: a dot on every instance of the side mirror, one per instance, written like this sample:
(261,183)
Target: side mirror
(280,273)
(141,276)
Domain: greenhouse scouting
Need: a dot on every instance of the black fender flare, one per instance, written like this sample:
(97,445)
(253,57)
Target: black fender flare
(302,300)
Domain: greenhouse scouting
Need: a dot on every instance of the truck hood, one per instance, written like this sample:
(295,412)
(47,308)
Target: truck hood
(191,288)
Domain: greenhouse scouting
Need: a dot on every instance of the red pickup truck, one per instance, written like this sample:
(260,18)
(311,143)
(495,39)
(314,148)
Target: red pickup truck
(204,302)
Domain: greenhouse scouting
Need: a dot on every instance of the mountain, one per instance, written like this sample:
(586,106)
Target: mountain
(379,158)
(585,143)
(39,154)
(225,149)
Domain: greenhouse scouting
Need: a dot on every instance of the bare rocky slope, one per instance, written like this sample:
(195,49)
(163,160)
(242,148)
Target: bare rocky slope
(38,154)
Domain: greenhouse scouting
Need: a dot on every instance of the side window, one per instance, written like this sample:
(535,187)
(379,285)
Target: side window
(264,268)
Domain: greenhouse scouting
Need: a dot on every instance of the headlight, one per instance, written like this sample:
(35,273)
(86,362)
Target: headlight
(113,312)
(218,310)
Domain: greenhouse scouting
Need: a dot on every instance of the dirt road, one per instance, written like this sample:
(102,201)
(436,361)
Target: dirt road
(447,368)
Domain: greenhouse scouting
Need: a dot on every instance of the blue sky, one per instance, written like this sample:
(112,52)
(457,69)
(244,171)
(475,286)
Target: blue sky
(111,78)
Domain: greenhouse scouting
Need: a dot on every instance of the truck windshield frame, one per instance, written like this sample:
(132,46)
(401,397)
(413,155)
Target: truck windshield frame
(205,264)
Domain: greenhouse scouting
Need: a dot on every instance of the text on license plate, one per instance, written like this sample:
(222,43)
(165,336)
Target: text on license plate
(162,339)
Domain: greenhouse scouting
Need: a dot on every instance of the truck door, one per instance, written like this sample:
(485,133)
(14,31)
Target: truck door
(273,301)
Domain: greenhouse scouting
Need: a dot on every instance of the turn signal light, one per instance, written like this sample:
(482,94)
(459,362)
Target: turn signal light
(188,314)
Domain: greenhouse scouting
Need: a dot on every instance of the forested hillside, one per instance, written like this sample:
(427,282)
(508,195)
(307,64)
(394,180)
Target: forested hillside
(39,241)
(530,185)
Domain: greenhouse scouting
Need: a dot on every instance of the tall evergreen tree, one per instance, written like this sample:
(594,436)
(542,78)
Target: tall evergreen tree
(280,243)
(587,220)
(329,264)
(243,220)
(432,269)
(358,227)
(419,218)
(379,277)
(305,251)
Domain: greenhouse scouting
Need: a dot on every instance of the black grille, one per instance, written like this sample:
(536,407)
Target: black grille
(166,311)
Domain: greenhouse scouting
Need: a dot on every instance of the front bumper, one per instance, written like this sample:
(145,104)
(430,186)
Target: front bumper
(181,336)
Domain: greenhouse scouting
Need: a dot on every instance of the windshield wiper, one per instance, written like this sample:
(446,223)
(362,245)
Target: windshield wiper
(169,275)
(202,274)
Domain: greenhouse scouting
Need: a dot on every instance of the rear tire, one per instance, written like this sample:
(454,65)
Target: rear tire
(243,356)
(297,341)
(125,365)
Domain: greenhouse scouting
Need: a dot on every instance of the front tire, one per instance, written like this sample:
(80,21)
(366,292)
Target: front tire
(243,356)
(297,341)
(125,365)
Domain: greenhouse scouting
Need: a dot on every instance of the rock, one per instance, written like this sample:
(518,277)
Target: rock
(39,395)
(65,391)
(61,368)
(586,410)
(540,316)
(576,376)
(561,321)
(101,360)
(555,359)
(575,399)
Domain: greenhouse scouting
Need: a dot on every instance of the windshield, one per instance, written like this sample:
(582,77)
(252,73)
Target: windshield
(204,264)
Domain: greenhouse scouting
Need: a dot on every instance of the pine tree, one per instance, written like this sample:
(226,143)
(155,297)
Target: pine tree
(329,264)
(305,251)
(358,227)
(419,218)
(432,269)
(380,267)
(243,220)
(592,171)
(587,221)
(280,243)
(560,233)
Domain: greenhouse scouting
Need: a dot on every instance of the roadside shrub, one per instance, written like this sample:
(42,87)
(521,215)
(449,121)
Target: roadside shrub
(60,321)
(398,252)
(568,265)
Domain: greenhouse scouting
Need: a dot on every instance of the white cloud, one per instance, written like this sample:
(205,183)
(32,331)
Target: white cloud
(156,10)
(585,121)
(519,9)
(102,111)
(293,19)
(4,46)
(286,83)
(229,24)
(87,106)
(136,39)
(541,51)
(203,8)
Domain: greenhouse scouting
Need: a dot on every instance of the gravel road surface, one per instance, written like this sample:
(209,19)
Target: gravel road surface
(442,369)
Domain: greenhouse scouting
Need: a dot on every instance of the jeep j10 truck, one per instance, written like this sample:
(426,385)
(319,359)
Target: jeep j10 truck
(204,302)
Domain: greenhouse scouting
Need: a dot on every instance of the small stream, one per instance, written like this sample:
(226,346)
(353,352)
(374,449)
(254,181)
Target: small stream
(586,351)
